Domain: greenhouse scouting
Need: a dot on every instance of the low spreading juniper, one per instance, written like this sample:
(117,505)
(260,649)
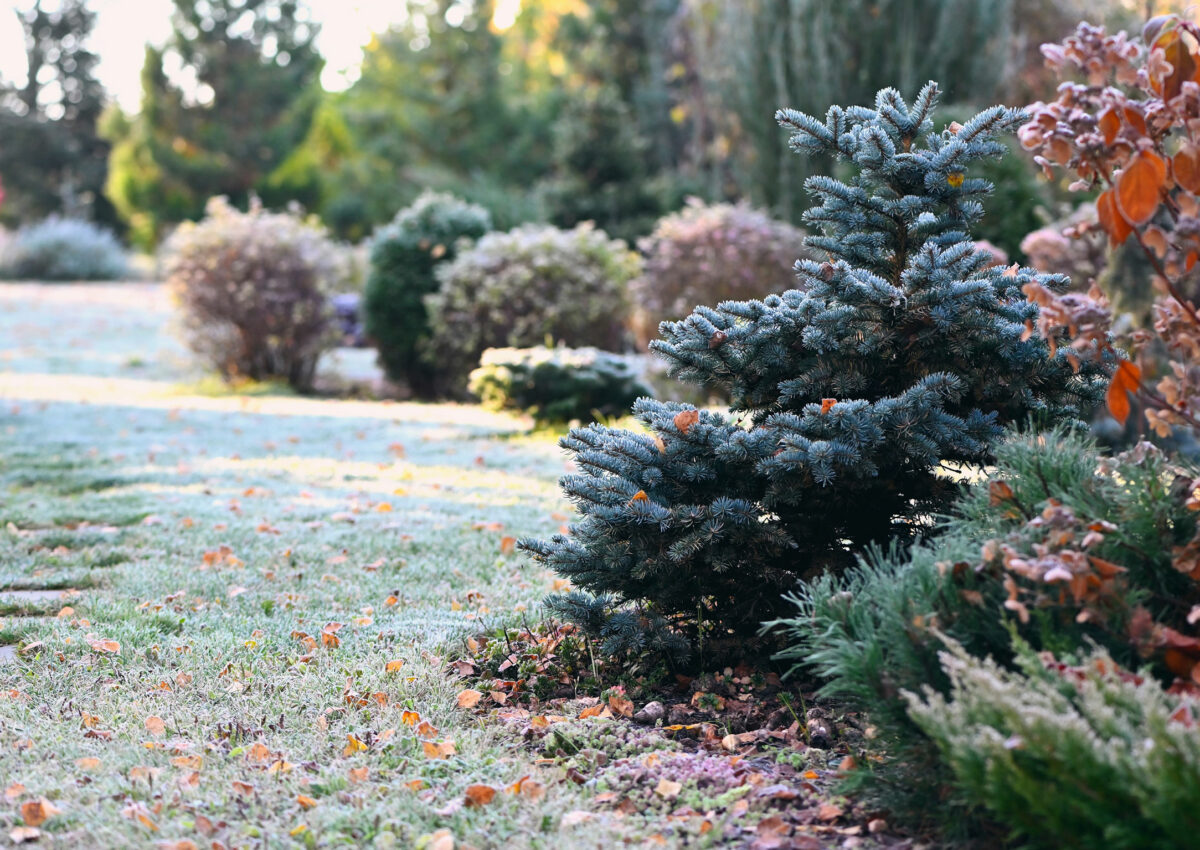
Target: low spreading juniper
(897,355)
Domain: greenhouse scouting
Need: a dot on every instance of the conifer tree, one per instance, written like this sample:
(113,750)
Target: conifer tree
(900,353)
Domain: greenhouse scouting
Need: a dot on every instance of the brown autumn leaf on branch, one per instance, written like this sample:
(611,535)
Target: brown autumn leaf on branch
(1125,381)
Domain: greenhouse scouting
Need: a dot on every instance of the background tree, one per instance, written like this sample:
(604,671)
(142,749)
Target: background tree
(237,102)
(812,53)
(52,159)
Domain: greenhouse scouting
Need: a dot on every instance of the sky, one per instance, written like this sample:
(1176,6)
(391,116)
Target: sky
(123,27)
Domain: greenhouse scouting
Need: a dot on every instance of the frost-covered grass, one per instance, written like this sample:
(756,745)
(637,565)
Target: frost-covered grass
(172,698)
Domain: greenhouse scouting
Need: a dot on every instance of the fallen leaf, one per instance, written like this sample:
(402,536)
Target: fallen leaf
(479,795)
(357,774)
(305,802)
(155,725)
(21,834)
(507,545)
(685,419)
(667,789)
(469,698)
(102,645)
(35,812)
(438,749)
(245,789)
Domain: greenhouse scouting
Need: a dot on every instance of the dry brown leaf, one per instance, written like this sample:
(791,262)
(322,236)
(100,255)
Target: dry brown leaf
(469,698)
(507,545)
(245,789)
(685,419)
(155,725)
(667,789)
(21,834)
(479,795)
(14,791)
(35,812)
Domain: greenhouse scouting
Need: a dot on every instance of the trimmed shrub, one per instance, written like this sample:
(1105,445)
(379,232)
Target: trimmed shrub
(529,286)
(62,249)
(404,255)
(254,289)
(1069,756)
(708,254)
(556,384)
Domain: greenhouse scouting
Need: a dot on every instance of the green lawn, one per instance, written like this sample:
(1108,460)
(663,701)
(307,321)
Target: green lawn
(387,518)
(226,621)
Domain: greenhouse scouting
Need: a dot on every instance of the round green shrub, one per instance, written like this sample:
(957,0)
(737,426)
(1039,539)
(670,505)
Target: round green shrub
(706,254)
(62,249)
(527,286)
(254,291)
(556,384)
(404,255)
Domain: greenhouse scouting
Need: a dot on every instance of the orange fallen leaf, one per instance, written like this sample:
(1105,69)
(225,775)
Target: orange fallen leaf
(245,789)
(353,746)
(35,812)
(394,666)
(469,698)
(155,725)
(479,795)
(305,802)
(357,774)
(507,545)
(102,645)
(410,718)
(438,749)
(592,711)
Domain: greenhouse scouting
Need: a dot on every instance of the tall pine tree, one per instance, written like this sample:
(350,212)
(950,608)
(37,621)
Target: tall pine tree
(53,159)
(241,101)
(898,355)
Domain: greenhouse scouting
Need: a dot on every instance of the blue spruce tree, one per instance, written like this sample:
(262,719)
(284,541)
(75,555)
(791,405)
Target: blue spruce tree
(900,355)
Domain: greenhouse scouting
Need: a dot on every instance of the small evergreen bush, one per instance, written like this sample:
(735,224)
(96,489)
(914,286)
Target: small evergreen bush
(706,254)
(556,384)
(1059,546)
(527,286)
(254,291)
(62,249)
(903,351)
(1084,756)
(404,255)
